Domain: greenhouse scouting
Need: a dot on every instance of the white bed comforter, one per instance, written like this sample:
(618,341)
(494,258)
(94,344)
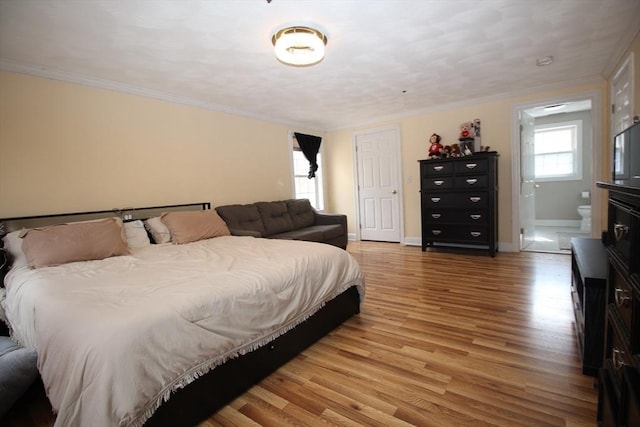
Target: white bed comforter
(115,337)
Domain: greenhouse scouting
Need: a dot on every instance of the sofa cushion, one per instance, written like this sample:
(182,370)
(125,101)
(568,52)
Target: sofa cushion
(242,217)
(307,234)
(18,370)
(275,217)
(301,213)
(328,232)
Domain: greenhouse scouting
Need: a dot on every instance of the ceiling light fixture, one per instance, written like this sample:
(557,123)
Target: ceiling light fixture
(545,60)
(299,46)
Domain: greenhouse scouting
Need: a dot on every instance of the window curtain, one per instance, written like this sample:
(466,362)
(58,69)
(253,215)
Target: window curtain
(310,145)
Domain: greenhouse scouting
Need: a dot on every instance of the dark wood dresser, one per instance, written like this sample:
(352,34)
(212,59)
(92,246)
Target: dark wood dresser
(619,384)
(459,200)
(589,295)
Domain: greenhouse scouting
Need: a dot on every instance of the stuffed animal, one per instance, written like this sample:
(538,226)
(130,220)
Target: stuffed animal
(446,151)
(467,130)
(435,148)
(455,150)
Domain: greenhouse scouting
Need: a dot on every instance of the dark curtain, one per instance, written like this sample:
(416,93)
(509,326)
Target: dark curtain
(310,145)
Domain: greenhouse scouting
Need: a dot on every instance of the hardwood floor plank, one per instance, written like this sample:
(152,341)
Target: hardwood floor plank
(444,338)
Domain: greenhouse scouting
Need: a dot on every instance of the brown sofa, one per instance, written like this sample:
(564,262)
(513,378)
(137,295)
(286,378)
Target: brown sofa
(293,219)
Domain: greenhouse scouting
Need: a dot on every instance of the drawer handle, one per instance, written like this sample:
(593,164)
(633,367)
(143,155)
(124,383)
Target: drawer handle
(436,232)
(475,216)
(475,233)
(438,168)
(471,181)
(435,199)
(620,231)
(436,216)
(438,182)
(471,165)
(475,199)
(622,298)
(617,357)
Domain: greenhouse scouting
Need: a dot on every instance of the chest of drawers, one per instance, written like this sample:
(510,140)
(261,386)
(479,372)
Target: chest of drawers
(619,379)
(459,199)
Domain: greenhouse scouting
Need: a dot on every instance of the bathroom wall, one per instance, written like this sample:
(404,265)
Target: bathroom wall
(559,200)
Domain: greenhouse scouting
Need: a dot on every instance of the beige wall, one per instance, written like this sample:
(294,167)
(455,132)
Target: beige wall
(415,132)
(496,132)
(66,147)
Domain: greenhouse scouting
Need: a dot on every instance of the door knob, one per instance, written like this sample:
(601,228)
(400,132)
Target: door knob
(394,192)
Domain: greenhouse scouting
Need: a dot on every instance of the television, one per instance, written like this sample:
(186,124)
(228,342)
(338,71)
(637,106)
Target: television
(626,156)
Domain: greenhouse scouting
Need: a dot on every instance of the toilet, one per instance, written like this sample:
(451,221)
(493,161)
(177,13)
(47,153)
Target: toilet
(585,213)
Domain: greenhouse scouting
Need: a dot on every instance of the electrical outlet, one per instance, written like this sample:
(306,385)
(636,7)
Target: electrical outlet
(128,217)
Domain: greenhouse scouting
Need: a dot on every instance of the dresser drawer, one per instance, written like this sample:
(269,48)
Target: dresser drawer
(457,233)
(471,182)
(467,216)
(621,298)
(472,166)
(620,229)
(618,355)
(437,183)
(436,168)
(607,400)
(456,200)
(630,398)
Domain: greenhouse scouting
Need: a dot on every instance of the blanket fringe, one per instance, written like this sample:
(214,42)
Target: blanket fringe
(208,365)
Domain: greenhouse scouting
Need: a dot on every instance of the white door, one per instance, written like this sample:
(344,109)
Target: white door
(622,97)
(377,163)
(527,180)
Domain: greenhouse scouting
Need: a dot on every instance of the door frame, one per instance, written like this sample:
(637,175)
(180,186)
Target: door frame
(628,64)
(354,135)
(596,158)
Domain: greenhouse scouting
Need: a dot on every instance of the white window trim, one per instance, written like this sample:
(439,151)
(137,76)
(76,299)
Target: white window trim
(577,176)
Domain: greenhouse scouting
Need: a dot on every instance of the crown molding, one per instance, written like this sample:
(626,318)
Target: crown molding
(475,101)
(84,80)
(76,78)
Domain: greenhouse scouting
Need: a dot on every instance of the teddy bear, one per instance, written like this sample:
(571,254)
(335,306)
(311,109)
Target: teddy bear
(435,148)
(467,130)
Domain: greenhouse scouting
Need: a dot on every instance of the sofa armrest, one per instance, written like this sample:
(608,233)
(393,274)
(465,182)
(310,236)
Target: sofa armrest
(327,219)
(236,232)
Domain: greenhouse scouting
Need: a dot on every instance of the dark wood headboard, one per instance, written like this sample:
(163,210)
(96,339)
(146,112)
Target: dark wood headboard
(8,225)
(127,214)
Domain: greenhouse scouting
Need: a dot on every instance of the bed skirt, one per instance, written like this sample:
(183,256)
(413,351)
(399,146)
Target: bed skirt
(217,388)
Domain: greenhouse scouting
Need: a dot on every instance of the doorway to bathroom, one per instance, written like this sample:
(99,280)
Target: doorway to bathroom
(556,147)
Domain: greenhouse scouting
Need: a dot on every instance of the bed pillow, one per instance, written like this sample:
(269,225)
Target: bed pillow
(13,245)
(76,241)
(159,231)
(191,226)
(18,370)
(136,234)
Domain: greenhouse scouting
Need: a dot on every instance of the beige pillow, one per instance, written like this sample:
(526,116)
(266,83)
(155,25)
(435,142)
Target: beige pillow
(191,226)
(78,241)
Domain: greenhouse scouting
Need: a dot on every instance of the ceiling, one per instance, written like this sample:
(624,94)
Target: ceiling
(384,59)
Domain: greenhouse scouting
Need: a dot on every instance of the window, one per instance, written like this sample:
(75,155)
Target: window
(305,188)
(557,152)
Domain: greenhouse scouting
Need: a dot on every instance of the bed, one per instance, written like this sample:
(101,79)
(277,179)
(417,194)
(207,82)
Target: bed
(165,333)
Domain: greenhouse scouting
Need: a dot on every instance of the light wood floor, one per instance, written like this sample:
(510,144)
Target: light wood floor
(444,339)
